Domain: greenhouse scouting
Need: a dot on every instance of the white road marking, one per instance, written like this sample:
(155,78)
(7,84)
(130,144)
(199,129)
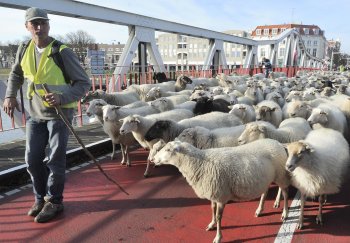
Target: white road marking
(285,234)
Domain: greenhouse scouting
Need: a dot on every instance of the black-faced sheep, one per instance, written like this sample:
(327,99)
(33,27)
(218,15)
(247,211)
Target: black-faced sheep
(207,105)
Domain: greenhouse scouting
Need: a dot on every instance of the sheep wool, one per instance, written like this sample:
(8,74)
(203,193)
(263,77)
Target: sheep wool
(219,174)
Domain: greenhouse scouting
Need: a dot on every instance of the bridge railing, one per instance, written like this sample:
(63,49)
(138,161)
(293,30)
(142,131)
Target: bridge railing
(103,81)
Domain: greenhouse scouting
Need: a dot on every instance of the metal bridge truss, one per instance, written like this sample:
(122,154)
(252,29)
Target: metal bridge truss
(142,36)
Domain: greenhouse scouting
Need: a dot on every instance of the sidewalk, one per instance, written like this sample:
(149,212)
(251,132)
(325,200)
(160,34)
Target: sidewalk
(12,165)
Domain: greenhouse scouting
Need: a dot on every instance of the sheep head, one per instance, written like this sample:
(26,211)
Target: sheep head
(129,124)
(251,133)
(169,150)
(296,151)
(318,116)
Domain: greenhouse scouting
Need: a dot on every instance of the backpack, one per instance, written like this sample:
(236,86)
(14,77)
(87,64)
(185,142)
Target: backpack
(55,54)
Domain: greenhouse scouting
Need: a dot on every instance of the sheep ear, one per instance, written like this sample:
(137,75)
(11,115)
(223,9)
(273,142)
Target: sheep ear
(308,148)
(121,120)
(262,128)
(230,107)
(285,146)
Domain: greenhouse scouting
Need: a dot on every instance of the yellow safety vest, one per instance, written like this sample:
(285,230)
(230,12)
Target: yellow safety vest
(46,73)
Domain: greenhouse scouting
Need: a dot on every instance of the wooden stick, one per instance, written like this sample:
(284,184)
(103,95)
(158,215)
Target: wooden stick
(70,127)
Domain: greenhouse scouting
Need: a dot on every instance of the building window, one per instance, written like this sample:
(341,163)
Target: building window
(316,31)
(258,32)
(308,50)
(266,31)
(315,43)
(262,52)
(314,52)
(306,31)
(283,29)
(274,31)
(308,43)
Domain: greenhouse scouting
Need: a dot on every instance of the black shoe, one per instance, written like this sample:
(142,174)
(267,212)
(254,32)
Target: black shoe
(36,208)
(49,211)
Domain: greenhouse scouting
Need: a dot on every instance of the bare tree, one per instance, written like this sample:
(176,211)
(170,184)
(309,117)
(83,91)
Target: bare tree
(79,41)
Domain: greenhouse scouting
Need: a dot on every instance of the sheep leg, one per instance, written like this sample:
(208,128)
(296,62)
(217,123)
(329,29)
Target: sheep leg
(319,215)
(211,225)
(147,167)
(219,211)
(113,151)
(301,215)
(123,148)
(285,203)
(278,198)
(128,162)
(260,208)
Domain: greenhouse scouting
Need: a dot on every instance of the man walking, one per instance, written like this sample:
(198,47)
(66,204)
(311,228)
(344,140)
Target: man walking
(68,83)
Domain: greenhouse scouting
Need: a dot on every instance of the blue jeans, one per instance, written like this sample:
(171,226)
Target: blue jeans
(48,177)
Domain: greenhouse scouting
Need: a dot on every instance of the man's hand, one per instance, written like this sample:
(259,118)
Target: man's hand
(9,106)
(52,99)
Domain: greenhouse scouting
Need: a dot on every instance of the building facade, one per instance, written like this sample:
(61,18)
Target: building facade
(312,36)
(181,52)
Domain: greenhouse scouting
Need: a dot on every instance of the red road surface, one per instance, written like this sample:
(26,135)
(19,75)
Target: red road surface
(162,208)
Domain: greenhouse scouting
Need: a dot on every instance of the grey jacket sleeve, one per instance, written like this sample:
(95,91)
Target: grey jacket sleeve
(16,79)
(79,79)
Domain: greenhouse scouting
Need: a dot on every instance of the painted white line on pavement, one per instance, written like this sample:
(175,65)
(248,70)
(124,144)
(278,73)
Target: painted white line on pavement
(285,234)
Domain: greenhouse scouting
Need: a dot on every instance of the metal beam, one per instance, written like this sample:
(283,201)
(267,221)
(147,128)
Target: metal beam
(76,9)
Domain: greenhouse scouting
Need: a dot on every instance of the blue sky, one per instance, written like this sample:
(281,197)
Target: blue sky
(330,16)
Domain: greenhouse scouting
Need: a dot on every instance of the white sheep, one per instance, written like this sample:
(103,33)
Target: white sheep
(329,116)
(318,165)
(243,111)
(95,109)
(157,92)
(138,126)
(111,116)
(116,98)
(290,130)
(204,138)
(165,104)
(143,89)
(168,130)
(268,110)
(220,174)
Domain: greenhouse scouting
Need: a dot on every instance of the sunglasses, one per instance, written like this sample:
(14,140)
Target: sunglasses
(39,22)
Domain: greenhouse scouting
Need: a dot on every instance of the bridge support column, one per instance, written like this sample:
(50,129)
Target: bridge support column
(146,36)
(215,56)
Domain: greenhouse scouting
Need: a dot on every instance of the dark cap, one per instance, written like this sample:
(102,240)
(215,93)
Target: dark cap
(35,13)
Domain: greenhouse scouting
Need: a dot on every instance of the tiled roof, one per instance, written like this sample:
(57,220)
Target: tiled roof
(279,27)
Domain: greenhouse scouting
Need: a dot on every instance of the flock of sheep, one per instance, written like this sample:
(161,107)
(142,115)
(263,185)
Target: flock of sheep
(232,136)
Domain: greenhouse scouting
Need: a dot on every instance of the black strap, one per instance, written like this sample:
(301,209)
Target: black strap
(57,58)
